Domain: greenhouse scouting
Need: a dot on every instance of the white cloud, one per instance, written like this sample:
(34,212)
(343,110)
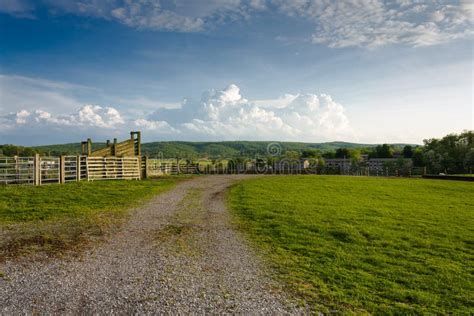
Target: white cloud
(21,117)
(372,23)
(160,126)
(226,115)
(148,14)
(17,8)
(87,116)
(219,115)
(178,15)
(258,4)
(342,23)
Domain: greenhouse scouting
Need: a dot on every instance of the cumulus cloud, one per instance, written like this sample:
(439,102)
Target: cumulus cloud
(87,116)
(219,115)
(226,114)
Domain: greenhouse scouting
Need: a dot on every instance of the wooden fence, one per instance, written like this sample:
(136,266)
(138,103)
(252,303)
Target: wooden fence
(43,170)
(159,167)
(17,170)
(113,168)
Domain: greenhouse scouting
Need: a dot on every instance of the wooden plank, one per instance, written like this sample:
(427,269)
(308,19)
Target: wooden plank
(37,175)
(62,169)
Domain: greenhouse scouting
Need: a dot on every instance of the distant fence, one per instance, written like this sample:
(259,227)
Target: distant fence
(39,170)
(43,170)
(159,167)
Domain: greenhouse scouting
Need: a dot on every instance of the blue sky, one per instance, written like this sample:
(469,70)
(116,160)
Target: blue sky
(309,70)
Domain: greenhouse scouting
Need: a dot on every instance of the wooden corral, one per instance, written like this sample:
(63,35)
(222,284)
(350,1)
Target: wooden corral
(128,148)
(116,161)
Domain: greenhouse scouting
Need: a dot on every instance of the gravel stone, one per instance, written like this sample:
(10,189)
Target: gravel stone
(179,253)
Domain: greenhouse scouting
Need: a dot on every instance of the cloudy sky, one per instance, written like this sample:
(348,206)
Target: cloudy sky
(303,70)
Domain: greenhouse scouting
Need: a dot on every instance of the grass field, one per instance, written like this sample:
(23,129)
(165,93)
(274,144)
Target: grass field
(54,218)
(357,244)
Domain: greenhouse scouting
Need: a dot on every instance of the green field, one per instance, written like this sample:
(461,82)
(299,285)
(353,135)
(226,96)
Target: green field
(54,218)
(357,244)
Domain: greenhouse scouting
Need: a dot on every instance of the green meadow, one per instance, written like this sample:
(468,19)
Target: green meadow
(54,218)
(358,244)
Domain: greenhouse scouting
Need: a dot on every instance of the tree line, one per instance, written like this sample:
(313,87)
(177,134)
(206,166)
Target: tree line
(452,154)
(13,150)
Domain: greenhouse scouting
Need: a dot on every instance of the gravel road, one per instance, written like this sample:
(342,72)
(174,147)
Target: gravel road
(177,254)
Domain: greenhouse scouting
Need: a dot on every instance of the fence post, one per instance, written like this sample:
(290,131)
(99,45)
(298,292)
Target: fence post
(139,163)
(89,147)
(62,169)
(114,148)
(17,173)
(37,171)
(145,173)
(78,168)
(87,168)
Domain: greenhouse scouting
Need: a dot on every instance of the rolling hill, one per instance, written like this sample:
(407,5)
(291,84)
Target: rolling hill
(183,149)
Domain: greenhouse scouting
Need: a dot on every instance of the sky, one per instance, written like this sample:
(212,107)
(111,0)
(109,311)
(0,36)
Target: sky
(368,71)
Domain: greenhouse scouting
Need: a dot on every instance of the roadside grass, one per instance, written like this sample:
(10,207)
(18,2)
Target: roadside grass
(358,244)
(179,235)
(51,219)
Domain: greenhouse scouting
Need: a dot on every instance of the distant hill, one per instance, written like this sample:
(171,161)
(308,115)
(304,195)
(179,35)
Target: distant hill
(171,149)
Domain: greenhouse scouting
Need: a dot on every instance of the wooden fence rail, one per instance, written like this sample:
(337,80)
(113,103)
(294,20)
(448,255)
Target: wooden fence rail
(17,170)
(43,170)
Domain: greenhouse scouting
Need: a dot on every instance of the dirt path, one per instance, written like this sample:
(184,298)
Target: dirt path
(178,253)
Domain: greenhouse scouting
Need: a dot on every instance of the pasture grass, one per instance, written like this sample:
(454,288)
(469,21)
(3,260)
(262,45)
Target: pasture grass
(53,218)
(359,244)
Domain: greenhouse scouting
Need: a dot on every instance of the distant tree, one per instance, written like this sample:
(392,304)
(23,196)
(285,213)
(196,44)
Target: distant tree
(310,153)
(433,161)
(403,163)
(469,161)
(343,153)
(329,155)
(291,154)
(321,162)
(355,164)
(355,154)
(382,151)
(418,157)
(271,160)
(12,150)
(407,151)
(448,154)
